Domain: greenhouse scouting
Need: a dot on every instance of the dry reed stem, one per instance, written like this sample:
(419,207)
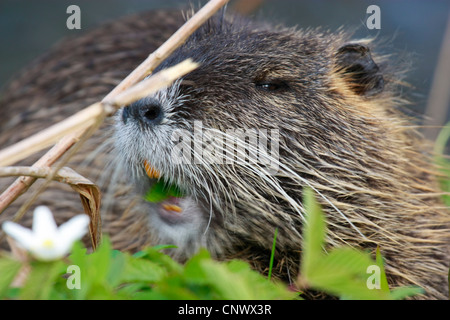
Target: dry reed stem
(95,224)
(35,172)
(16,152)
(88,191)
(19,151)
(86,117)
(168,47)
(154,83)
(47,137)
(22,184)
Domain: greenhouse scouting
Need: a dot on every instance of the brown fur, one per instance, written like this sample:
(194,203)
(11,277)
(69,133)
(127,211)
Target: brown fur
(356,150)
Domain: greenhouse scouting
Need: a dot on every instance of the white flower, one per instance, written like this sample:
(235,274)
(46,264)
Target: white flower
(46,241)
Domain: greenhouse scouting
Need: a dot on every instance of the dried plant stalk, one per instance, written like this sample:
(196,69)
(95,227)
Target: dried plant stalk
(45,138)
(23,149)
(168,47)
(88,191)
(23,183)
(63,175)
(73,129)
(152,84)
(88,116)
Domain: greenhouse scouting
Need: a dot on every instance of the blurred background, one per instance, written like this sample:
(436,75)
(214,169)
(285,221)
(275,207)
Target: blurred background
(417,27)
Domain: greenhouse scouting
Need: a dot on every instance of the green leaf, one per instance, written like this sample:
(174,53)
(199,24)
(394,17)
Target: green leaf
(41,279)
(442,139)
(117,267)
(443,162)
(8,271)
(161,191)
(227,285)
(78,252)
(193,269)
(141,270)
(100,260)
(272,254)
(313,233)
(79,258)
(343,273)
(404,292)
(162,259)
(98,270)
(384,286)
(231,280)
(130,290)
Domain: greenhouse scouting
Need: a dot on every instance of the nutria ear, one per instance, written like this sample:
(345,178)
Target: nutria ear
(358,67)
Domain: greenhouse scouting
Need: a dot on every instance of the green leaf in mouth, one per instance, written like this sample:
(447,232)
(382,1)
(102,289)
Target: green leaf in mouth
(161,191)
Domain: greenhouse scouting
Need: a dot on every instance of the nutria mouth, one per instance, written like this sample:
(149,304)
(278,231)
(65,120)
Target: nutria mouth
(160,183)
(171,203)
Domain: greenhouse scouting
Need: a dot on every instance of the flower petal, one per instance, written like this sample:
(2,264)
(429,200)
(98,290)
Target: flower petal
(48,254)
(73,230)
(23,236)
(43,222)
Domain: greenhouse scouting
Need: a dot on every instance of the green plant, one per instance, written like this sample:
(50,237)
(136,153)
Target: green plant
(443,164)
(341,272)
(152,274)
(148,274)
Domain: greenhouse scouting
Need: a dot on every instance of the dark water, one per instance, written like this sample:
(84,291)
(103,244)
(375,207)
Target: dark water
(29,28)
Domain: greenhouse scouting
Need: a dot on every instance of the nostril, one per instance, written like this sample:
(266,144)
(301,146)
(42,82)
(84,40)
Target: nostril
(151,113)
(146,111)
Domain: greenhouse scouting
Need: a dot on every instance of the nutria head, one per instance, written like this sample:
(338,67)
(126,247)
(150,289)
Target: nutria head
(268,112)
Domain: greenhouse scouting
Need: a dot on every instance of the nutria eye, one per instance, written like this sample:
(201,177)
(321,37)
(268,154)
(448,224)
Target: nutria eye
(272,86)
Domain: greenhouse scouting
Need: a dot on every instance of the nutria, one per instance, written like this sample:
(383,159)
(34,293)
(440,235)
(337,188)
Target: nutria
(325,105)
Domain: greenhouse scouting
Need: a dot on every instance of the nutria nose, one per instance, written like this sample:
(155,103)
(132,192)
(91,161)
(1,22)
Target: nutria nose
(148,111)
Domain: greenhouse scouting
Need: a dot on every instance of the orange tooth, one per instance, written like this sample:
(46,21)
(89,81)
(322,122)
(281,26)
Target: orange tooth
(172,207)
(151,172)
